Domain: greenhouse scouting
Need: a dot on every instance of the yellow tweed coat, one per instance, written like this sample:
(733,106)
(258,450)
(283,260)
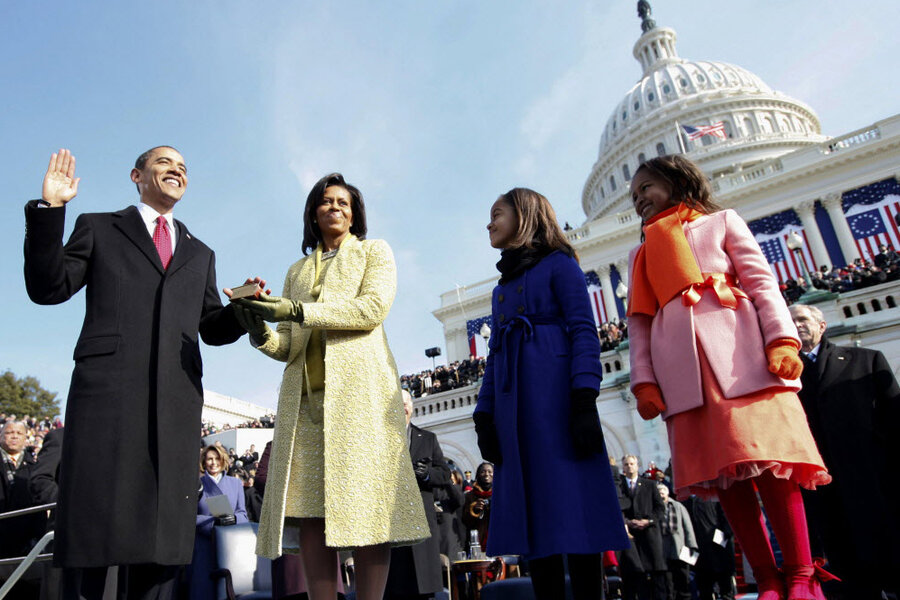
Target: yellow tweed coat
(371,495)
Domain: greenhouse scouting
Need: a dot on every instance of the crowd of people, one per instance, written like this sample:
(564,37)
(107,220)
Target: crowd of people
(264,422)
(861,273)
(612,333)
(444,377)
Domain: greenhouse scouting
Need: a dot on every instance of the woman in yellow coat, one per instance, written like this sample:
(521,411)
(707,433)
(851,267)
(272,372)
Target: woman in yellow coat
(340,468)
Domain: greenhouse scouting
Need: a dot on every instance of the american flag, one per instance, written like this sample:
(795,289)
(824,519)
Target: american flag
(771,234)
(598,305)
(870,212)
(698,131)
(473,332)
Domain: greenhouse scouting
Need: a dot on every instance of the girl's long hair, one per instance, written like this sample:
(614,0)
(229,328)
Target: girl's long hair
(686,181)
(537,222)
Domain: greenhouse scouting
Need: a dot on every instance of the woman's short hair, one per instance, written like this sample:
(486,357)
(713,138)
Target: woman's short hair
(220,452)
(312,235)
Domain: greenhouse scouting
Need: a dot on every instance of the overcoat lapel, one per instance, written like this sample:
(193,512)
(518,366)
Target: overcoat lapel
(131,224)
(300,292)
(210,486)
(185,248)
(415,441)
(834,363)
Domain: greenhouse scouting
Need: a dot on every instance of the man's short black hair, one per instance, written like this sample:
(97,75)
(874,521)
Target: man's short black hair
(141,161)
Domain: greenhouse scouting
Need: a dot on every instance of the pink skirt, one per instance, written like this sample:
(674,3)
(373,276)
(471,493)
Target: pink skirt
(731,439)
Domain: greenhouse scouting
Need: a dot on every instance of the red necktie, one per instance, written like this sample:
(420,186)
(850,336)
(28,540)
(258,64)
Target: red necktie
(163,241)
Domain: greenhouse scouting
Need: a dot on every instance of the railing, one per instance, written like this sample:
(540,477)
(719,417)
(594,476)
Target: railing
(460,402)
(34,556)
(868,300)
(856,138)
(468,292)
(766,169)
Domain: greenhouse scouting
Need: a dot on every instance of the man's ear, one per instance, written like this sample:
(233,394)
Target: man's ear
(135,175)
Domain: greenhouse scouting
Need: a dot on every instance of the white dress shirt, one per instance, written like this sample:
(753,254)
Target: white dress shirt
(149,215)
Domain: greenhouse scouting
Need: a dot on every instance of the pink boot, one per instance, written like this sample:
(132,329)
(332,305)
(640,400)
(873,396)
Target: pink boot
(803,581)
(769,583)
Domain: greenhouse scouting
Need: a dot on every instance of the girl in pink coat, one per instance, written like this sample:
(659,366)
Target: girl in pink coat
(714,350)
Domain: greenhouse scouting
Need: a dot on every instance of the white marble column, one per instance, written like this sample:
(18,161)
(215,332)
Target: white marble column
(457,344)
(832,204)
(806,211)
(609,298)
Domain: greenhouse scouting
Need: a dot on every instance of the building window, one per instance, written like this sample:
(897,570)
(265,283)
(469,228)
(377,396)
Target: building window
(667,89)
(642,158)
(626,174)
(612,182)
(660,149)
(651,97)
(729,130)
(749,129)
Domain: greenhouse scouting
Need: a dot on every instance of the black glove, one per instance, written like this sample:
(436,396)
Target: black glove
(420,468)
(225,520)
(488,441)
(584,423)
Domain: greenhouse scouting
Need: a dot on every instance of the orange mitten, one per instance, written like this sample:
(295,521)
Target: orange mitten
(649,399)
(784,359)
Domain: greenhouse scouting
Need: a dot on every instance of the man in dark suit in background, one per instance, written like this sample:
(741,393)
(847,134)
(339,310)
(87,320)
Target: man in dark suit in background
(128,473)
(643,566)
(852,402)
(416,570)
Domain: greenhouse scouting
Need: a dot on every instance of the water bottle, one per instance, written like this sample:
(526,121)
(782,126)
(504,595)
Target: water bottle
(474,546)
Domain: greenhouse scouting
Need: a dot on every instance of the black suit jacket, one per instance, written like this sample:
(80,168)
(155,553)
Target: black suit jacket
(128,476)
(19,534)
(646,552)
(424,558)
(852,402)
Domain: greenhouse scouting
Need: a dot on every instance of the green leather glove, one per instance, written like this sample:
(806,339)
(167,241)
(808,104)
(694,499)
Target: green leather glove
(252,324)
(273,308)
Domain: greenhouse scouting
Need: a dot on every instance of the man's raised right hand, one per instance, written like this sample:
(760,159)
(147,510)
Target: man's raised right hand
(60,183)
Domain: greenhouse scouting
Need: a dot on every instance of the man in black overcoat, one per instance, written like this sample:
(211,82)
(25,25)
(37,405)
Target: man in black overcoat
(415,571)
(128,474)
(715,563)
(643,566)
(852,402)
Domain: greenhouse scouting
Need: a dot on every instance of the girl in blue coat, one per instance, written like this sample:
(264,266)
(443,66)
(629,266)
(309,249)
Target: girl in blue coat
(536,417)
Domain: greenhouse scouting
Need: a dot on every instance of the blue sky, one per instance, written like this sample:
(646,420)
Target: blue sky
(432,108)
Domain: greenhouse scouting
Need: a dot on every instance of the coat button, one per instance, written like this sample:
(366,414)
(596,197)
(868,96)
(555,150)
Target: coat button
(500,298)
(520,289)
(520,309)
(502,317)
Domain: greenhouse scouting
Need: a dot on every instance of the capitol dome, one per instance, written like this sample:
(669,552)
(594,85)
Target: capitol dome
(759,123)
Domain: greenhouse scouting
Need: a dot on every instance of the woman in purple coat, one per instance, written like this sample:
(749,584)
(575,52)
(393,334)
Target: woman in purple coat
(536,417)
(214,482)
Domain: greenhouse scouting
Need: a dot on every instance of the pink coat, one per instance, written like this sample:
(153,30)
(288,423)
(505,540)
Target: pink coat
(664,347)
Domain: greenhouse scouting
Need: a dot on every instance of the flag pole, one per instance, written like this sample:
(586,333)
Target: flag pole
(678,135)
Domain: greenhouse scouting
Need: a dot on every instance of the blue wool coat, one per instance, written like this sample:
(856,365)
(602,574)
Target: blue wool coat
(543,344)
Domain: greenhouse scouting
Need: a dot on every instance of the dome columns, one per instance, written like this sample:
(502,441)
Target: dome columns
(609,296)
(835,210)
(806,211)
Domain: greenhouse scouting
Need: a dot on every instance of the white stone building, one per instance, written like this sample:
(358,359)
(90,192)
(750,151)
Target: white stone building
(773,166)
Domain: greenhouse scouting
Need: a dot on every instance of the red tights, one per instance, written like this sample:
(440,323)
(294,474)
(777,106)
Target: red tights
(784,506)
